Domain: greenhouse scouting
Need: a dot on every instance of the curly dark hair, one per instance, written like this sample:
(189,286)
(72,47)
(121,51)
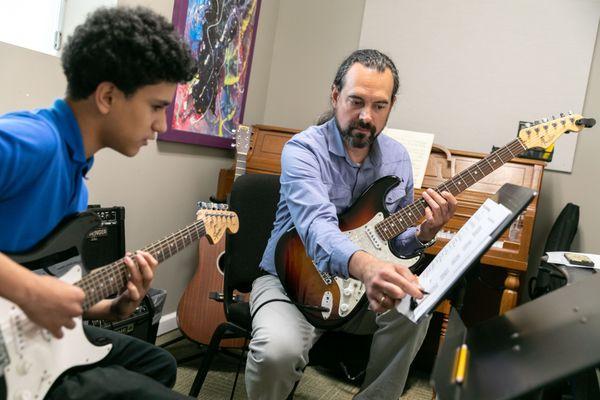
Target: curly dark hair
(130,47)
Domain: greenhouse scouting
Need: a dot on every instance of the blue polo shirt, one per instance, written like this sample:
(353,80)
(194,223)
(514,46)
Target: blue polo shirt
(42,170)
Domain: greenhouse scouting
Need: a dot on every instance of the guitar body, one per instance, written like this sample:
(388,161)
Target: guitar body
(31,358)
(197,315)
(344,297)
(61,244)
(35,357)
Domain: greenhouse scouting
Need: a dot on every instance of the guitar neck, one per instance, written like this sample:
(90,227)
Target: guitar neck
(408,216)
(240,165)
(111,278)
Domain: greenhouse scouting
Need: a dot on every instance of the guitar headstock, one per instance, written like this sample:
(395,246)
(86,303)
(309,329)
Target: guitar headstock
(217,219)
(544,133)
(242,139)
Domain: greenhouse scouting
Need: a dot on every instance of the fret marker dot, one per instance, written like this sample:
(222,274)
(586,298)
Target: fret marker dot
(494,160)
(475,172)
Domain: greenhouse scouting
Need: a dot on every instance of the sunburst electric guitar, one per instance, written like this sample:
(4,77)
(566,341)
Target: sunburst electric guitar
(30,357)
(368,224)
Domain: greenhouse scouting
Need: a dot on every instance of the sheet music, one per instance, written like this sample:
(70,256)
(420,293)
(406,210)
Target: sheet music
(418,145)
(447,267)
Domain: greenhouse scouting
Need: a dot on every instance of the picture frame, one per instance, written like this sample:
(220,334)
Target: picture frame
(221,33)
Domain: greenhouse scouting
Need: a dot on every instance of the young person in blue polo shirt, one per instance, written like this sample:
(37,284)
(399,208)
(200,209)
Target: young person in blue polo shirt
(122,66)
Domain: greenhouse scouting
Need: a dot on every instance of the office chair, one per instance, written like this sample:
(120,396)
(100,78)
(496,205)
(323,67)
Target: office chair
(254,199)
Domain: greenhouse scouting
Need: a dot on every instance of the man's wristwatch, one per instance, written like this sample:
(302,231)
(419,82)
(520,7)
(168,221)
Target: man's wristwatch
(427,244)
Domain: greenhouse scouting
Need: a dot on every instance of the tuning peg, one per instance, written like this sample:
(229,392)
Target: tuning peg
(562,115)
(544,119)
(587,122)
(527,124)
(553,117)
(570,112)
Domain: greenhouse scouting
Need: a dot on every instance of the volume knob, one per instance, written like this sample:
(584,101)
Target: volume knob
(23,367)
(24,395)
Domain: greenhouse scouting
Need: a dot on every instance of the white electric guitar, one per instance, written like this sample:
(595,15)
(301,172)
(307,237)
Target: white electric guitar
(31,359)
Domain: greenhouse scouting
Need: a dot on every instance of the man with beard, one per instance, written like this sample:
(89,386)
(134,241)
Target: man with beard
(324,169)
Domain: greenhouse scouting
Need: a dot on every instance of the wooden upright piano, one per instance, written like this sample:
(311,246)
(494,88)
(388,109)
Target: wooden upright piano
(510,253)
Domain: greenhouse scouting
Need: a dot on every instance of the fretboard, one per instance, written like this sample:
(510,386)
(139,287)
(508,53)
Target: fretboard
(240,165)
(110,279)
(408,216)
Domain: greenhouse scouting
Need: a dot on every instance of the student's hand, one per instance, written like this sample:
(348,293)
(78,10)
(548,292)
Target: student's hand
(385,282)
(52,303)
(141,273)
(439,210)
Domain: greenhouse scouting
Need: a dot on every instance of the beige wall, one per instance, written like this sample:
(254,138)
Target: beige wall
(582,185)
(313,37)
(298,47)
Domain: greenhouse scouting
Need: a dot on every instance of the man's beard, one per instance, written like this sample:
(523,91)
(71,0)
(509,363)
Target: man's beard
(358,140)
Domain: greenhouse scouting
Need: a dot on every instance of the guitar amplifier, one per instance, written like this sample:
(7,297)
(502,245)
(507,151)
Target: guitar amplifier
(106,243)
(143,323)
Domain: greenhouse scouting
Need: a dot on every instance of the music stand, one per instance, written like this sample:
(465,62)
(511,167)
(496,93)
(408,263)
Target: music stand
(527,348)
(466,247)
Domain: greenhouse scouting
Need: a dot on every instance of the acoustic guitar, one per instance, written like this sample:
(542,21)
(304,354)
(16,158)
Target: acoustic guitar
(31,359)
(198,314)
(368,224)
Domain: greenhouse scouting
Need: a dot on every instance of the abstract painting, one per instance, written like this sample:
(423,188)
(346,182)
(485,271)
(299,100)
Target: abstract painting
(208,109)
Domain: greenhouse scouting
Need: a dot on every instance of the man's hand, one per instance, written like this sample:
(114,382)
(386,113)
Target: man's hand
(440,209)
(141,273)
(385,282)
(52,303)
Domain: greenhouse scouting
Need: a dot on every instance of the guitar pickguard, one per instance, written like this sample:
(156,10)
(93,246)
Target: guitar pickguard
(352,290)
(35,358)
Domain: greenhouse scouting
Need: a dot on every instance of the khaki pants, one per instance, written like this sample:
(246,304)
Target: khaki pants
(282,338)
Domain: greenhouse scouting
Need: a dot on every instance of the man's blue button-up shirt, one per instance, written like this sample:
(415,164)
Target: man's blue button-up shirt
(320,181)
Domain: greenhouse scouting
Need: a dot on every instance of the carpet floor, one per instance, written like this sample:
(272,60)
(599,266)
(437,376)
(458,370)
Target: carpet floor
(316,383)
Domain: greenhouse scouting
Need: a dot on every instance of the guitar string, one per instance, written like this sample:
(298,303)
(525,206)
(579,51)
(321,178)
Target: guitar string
(118,268)
(419,206)
(181,237)
(27,325)
(416,210)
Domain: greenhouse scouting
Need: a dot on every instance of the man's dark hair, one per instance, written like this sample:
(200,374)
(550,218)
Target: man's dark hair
(130,47)
(370,58)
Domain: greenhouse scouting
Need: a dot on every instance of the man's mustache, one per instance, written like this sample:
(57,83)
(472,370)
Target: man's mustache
(362,125)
